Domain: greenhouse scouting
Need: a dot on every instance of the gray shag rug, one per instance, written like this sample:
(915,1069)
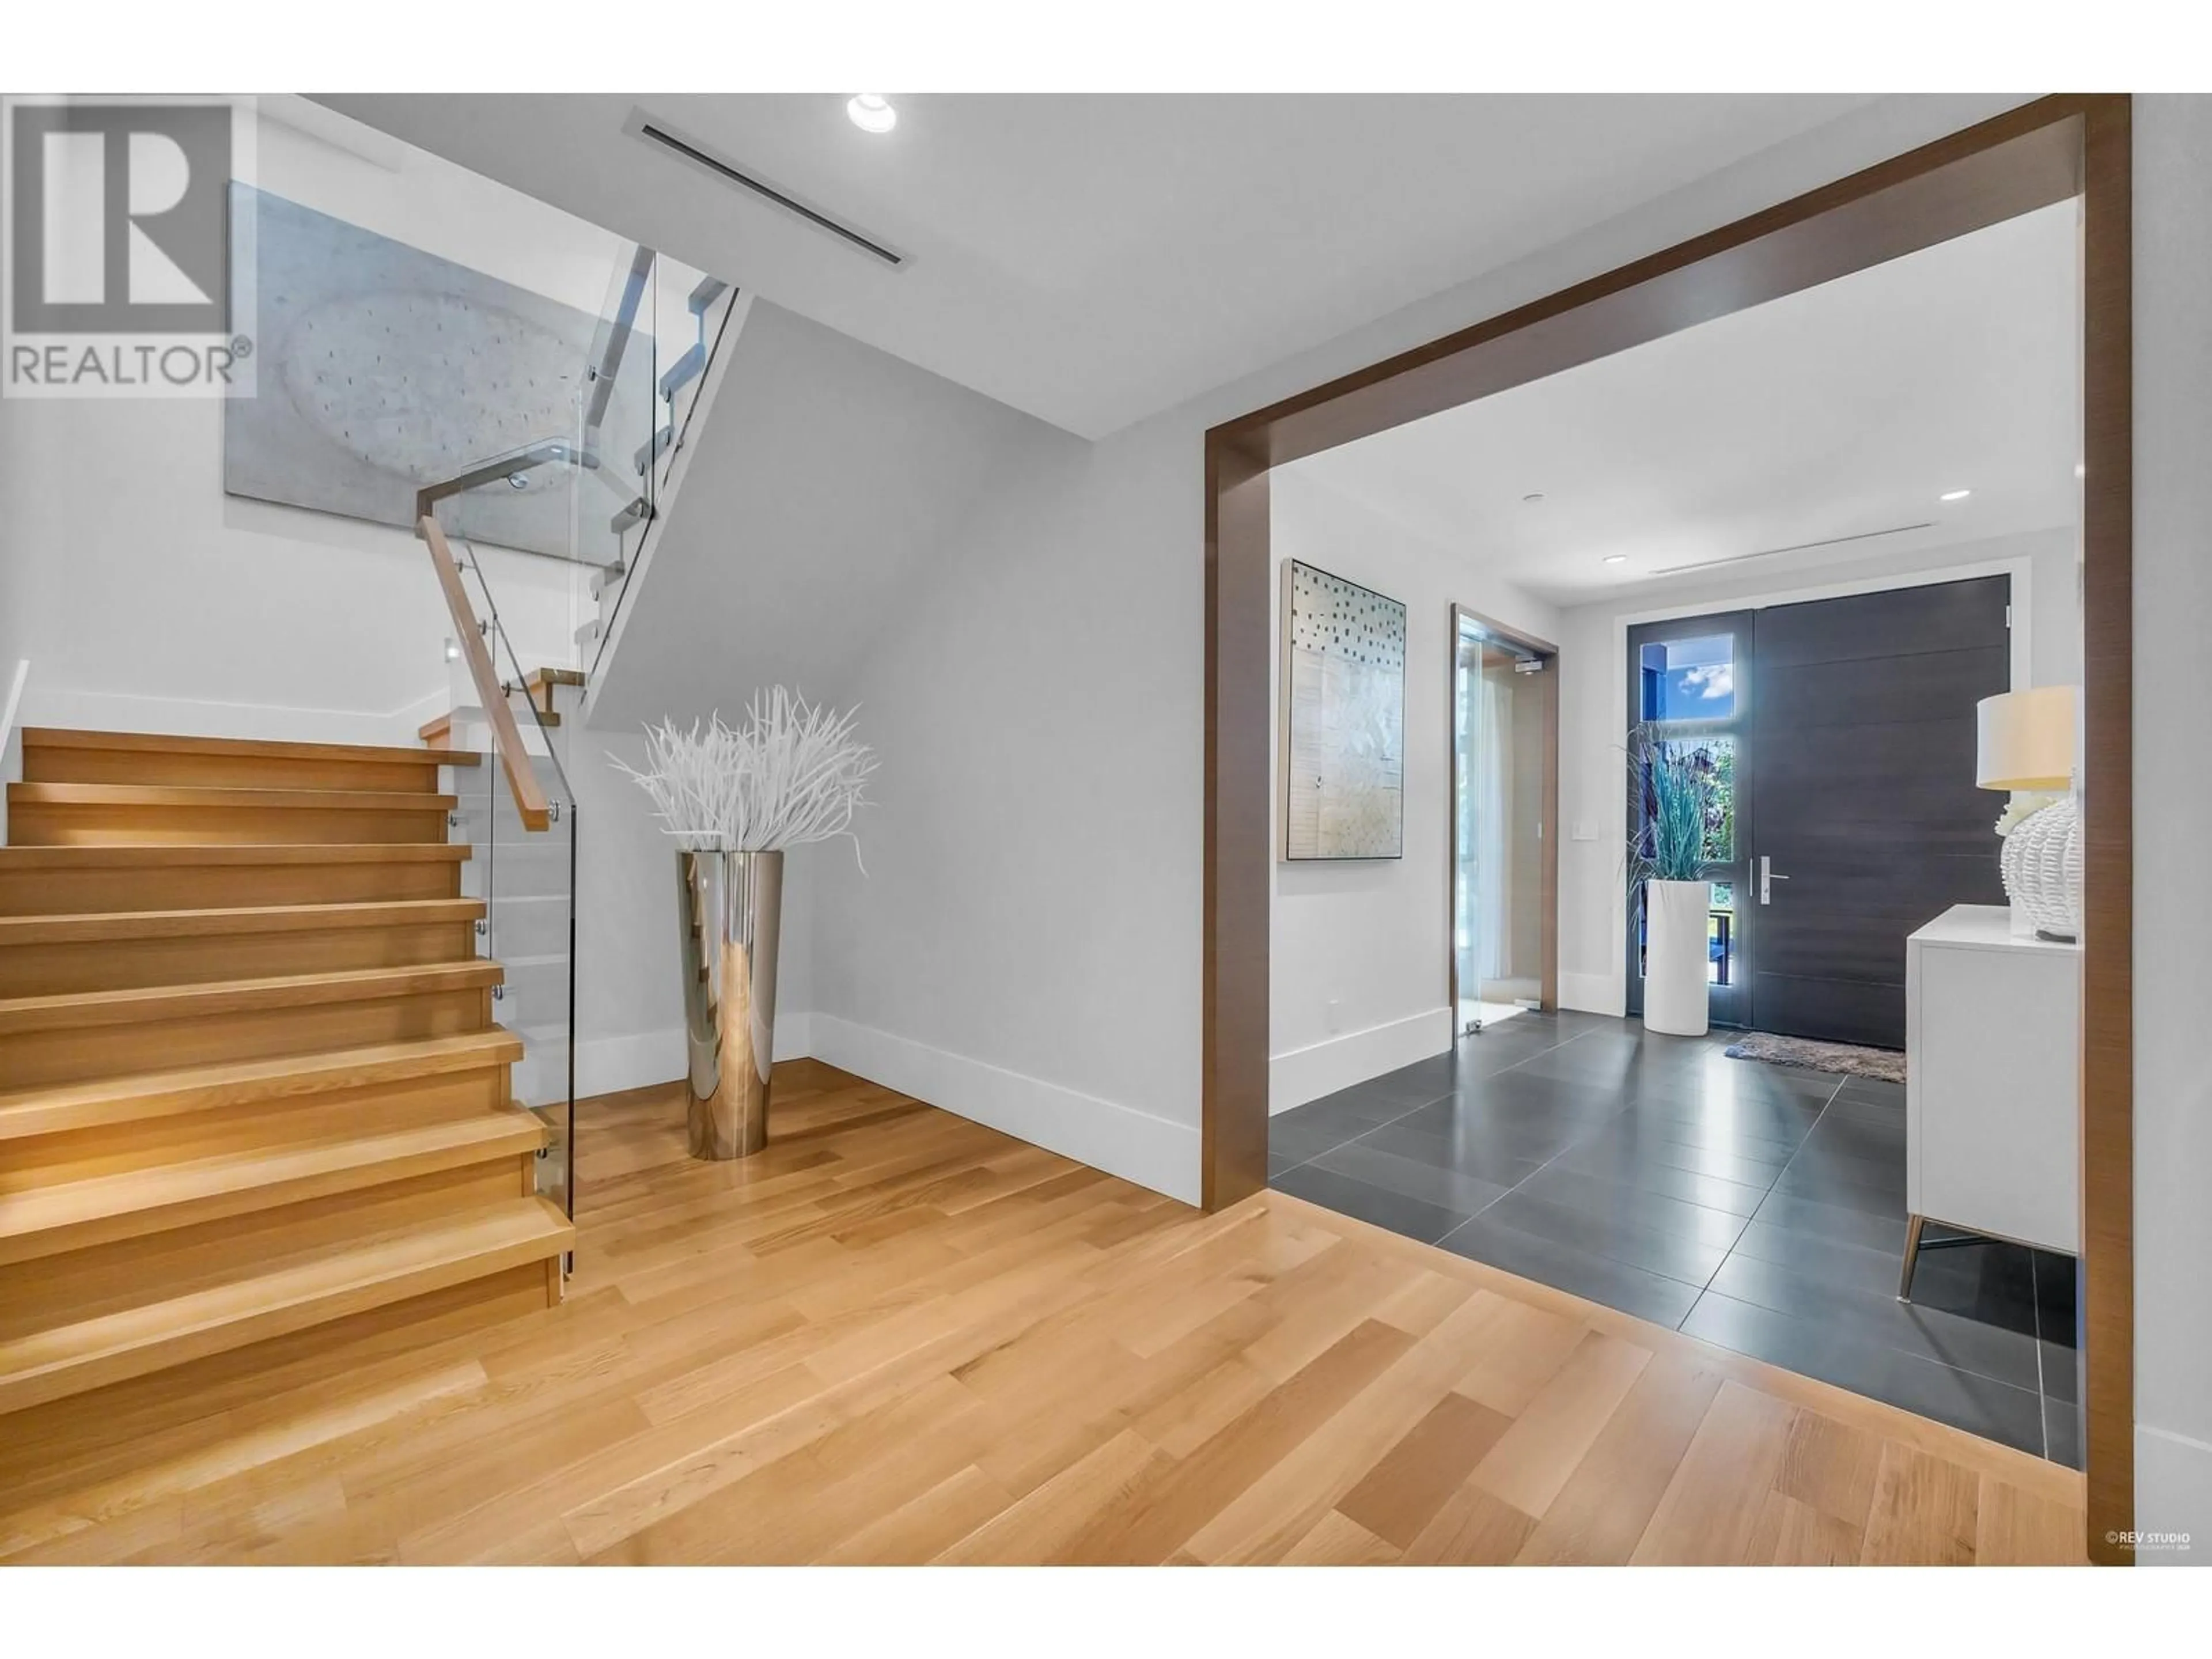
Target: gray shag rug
(1885,1064)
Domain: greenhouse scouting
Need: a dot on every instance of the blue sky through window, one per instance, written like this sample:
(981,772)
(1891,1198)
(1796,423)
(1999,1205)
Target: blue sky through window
(1690,679)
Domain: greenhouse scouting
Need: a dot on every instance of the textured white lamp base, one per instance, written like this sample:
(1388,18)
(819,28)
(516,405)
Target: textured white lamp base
(2042,868)
(1676,923)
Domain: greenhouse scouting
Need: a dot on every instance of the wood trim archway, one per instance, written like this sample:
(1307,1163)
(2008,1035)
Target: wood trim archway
(2045,151)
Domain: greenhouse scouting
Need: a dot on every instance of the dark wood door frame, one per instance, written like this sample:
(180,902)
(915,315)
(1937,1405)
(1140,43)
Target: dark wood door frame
(1547,860)
(2048,151)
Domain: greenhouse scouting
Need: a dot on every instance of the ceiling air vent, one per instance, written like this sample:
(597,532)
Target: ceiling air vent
(651,130)
(1798,547)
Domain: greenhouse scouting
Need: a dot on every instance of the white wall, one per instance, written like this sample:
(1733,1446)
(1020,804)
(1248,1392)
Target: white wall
(1359,982)
(1023,949)
(1593,712)
(148,599)
(2172,810)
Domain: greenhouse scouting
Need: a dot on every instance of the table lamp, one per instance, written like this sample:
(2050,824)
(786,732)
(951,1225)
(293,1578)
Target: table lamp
(2024,740)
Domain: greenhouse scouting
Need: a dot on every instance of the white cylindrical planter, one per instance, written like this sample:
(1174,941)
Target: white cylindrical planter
(1677,929)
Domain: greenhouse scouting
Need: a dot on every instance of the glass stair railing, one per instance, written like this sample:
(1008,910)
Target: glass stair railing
(590,496)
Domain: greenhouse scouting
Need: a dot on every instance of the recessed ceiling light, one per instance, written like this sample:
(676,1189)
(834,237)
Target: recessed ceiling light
(872,111)
(1532,498)
(1955,494)
(1616,558)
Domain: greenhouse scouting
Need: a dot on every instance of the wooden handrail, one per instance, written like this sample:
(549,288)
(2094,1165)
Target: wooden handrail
(529,795)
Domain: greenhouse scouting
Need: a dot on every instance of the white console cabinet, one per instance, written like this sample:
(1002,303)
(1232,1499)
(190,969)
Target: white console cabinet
(1993,1075)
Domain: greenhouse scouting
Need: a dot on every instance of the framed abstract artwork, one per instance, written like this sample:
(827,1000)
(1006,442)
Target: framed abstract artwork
(1343,738)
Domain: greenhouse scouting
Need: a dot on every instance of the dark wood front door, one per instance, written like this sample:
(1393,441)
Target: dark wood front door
(1867,821)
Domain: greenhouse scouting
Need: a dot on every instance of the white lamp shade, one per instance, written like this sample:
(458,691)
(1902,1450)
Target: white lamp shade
(2025,739)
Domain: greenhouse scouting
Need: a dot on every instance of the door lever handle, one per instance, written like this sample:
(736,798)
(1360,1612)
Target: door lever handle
(1767,879)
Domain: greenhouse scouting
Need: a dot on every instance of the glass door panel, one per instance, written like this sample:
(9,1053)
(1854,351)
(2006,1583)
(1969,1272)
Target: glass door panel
(1501,740)
(1689,687)
(1466,773)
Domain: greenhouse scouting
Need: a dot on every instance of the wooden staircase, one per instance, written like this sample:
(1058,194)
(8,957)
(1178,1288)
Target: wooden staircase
(250,1084)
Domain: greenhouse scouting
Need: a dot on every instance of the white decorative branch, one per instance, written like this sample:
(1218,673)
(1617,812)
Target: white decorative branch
(793,773)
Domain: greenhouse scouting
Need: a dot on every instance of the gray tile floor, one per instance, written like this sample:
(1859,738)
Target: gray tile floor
(1754,1206)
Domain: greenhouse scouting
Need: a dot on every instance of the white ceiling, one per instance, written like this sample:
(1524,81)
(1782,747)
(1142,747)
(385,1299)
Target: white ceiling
(1095,259)
(1849,408)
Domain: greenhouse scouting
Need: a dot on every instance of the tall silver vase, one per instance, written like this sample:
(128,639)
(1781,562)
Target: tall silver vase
(729,908)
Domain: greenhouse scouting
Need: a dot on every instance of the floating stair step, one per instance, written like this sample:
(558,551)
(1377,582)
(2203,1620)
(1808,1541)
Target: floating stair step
(111,949)
(56,756)
(49,1040)
(99,1102)
(152,875)
(650,450)
(53,1361)
(684,370)
(77,814)
(635,513)
(710,288)
(542,684)
(78,1010)
(608,576)
(591,631)
(46,1219)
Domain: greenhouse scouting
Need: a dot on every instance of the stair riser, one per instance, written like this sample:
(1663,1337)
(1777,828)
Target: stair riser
(46,823)
(30,1058)
(157,886)
(34,1388)
(153,766)
(51,969)
(87,1283)
(156,1228)
(144,1406)
(32,1161)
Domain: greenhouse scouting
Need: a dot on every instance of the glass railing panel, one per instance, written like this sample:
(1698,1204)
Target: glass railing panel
(689,311)
(524,872)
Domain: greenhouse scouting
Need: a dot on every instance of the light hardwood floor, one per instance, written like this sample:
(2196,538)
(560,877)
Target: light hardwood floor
(899,1337)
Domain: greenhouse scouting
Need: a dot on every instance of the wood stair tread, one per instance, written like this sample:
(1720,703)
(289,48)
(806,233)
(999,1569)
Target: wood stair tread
(255,748)
(243,919)
(201,853)
(38,1221)
(46,1363)
(84,1008)
(177,794)
(126,1097)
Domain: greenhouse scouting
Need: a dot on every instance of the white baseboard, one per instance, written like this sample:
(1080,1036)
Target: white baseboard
(1121,1140)
(794,1037)
(636,1060)
(608,1064)
(1305,1074)
(2174,1494)
(1593,993)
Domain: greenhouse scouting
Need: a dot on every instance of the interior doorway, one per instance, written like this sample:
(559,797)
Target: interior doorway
(2071,148)
(1505,790)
